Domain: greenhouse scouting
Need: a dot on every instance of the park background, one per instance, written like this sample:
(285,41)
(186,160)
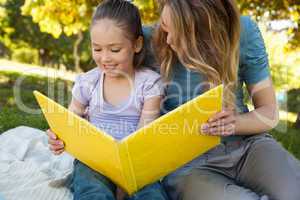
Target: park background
(46,43)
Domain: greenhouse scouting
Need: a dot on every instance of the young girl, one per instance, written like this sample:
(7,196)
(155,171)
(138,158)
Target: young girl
(121,95)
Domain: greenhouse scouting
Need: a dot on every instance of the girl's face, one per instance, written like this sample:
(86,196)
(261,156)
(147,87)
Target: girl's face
(112,51)
(166,25)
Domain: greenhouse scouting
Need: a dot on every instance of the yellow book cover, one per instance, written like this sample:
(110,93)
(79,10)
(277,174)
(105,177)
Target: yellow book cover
(146,155)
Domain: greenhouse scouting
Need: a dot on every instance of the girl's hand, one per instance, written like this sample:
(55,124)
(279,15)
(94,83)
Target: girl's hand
(55,145)
(221,124)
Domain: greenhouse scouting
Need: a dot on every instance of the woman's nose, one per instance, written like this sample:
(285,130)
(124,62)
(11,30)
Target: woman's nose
(169,40)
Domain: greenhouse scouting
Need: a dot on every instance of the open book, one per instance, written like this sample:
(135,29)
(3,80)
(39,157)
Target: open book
(147,154)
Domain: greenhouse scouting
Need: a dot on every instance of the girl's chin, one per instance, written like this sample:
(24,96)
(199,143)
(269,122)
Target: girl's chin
(113,74)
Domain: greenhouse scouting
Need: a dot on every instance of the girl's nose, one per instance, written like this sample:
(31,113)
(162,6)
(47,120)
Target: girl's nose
(106,57)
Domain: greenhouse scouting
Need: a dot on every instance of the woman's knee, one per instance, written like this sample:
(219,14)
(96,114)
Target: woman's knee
(286,193)
(206,185)
(270,169)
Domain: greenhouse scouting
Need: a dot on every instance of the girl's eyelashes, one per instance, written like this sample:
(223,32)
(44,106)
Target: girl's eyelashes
(112,50)
(115,50)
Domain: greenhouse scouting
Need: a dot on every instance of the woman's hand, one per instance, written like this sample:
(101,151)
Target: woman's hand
(55,145)
(221,124)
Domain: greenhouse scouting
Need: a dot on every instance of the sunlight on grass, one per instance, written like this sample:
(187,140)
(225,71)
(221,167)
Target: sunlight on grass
(283,115)
(287,116)
(27,69)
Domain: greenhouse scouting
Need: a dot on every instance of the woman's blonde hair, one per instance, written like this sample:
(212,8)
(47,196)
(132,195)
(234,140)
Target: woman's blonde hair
(206,37)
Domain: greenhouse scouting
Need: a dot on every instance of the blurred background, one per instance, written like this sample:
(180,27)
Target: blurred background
(46,42)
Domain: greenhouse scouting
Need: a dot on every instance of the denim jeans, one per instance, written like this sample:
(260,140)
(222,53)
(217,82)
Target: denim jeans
(88,184)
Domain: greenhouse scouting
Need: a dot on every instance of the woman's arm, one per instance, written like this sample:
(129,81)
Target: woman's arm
(263,118)
(150,111)
(254,71)
(265,115)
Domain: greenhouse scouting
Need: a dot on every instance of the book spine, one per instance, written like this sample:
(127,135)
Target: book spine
(127,168)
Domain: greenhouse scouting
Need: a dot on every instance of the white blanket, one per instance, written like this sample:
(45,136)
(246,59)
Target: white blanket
(28,169)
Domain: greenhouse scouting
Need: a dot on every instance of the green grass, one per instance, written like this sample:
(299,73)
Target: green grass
(11,114)
(288,136)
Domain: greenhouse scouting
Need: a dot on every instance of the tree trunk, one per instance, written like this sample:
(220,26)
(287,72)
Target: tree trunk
(76,52)
(2,50)
(297,124)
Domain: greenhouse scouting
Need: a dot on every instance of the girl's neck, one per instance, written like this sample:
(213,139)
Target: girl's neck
(117,90)
(129,76)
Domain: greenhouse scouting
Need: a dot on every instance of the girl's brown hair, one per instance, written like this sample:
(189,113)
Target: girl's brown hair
(127,17)
(206,35)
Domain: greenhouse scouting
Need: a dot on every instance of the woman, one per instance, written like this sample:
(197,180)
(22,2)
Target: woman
(201,43)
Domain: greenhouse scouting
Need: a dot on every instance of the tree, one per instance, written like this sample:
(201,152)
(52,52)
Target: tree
(17,32)
(58,17)
(274,10)
(294,104)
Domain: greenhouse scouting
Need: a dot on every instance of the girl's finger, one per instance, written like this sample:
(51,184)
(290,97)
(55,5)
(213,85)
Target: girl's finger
(55,148)
(51,134)
(55,142)
(58,152)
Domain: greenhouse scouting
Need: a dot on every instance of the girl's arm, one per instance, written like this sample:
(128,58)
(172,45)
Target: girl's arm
(264,117)
(77,108)
(150,111)
(56,145)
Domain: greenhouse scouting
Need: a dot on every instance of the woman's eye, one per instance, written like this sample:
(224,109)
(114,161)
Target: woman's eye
(115,50)
(97,50)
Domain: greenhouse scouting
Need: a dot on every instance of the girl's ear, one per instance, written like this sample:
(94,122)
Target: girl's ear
(139,44)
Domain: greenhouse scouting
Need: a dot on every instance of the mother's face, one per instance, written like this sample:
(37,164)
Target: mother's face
(167,26)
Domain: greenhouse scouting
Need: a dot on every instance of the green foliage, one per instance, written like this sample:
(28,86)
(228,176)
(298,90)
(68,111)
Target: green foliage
(57,17)
(20,32)
(293,96)
(284,63)
(70,17)
(26,55)
(149,10)
(279,9)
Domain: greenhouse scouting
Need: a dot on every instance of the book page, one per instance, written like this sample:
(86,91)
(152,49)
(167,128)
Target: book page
(82,140)
(172,140)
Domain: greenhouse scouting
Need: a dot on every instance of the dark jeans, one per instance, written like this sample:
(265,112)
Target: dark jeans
(88,184)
